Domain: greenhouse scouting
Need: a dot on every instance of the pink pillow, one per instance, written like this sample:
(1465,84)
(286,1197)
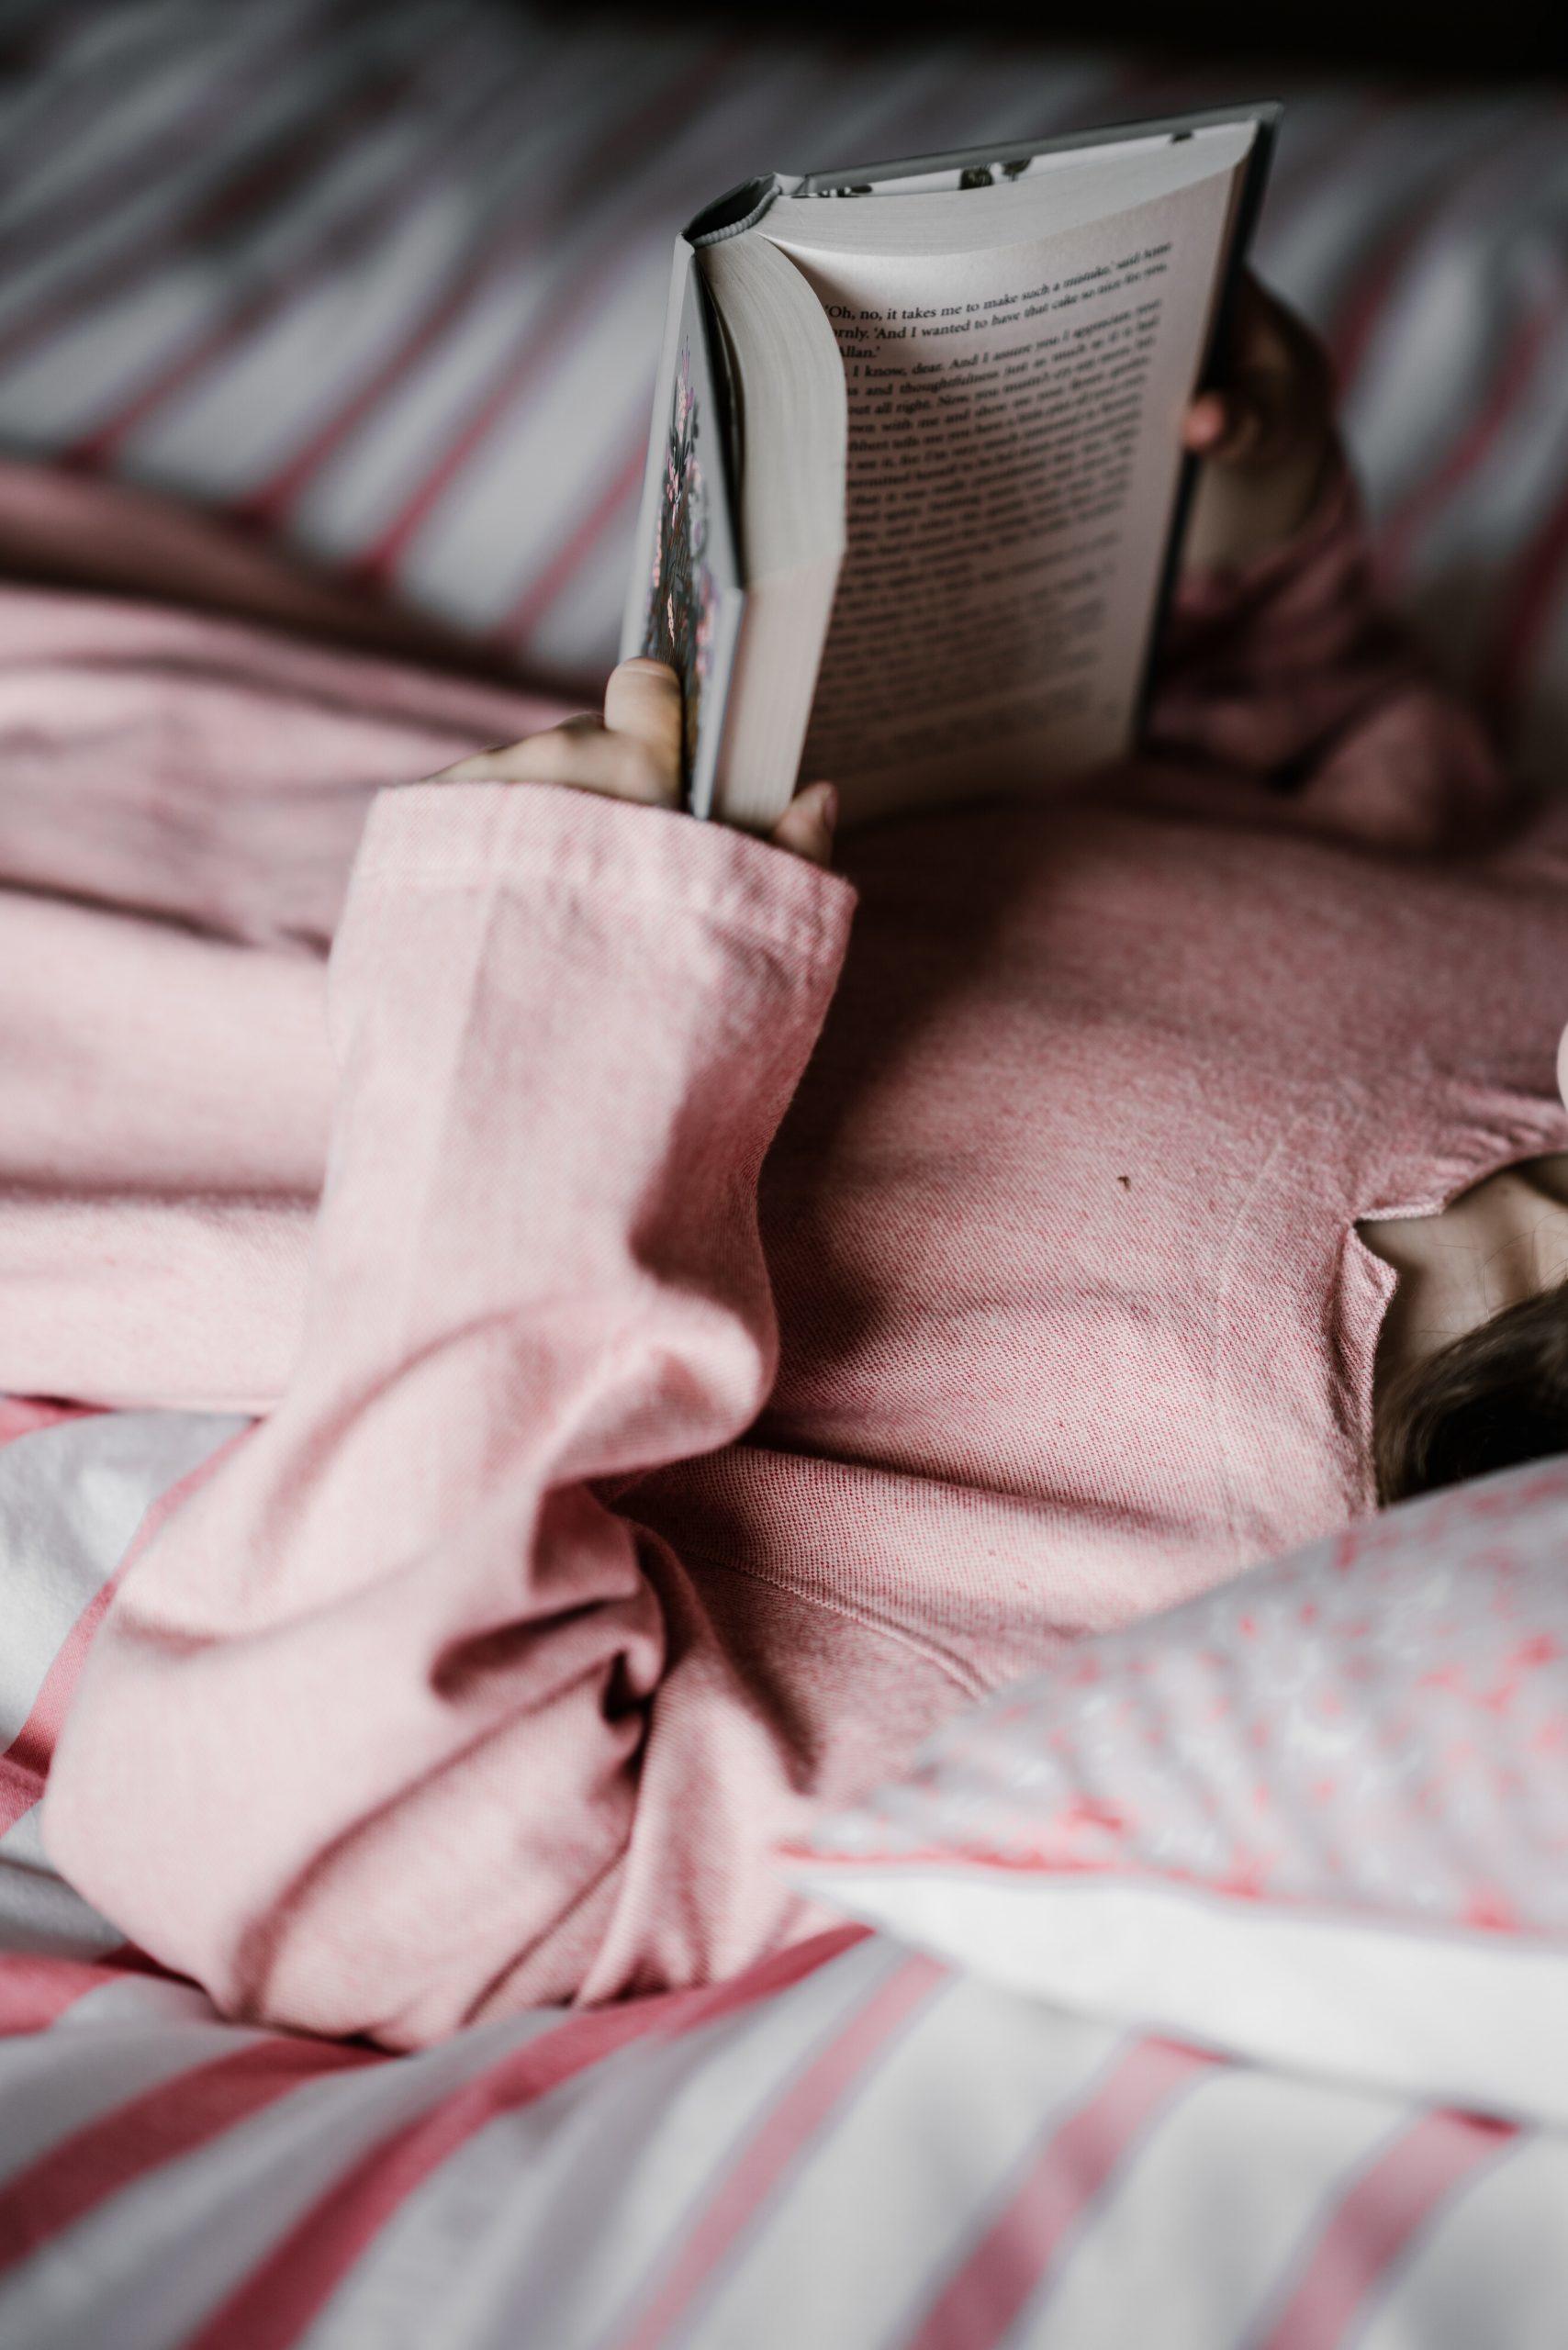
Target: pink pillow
(1318,1817)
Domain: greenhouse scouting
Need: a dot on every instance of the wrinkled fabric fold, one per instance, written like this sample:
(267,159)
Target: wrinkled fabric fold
(672,1413)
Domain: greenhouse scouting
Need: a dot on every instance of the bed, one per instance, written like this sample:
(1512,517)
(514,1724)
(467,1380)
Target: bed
(381,286)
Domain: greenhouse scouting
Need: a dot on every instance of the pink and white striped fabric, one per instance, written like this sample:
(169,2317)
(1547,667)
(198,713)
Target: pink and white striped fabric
(383,278)
(849,2144)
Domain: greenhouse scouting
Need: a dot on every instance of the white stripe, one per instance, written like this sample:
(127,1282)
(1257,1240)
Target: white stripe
(38,1911)
(856,2242)
(546,457)
(74,377)
(242,420)
(138,100)
(181,172)
(57,2082)
(148,2266)
(572,422)
(1491,2268)
(563,2207)
(72,1498)
(132,1997)
(1467,555)
(580,634)
(1207,2215)
(1417,150)
(1409,390)
(426,414)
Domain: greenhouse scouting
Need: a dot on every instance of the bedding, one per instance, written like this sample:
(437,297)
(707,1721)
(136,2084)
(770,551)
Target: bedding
(1014,1399)
(850,2144)
(385,283)
(380,284)
(1318,1816)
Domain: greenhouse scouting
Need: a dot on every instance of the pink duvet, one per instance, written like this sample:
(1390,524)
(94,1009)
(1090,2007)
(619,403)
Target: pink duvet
(621,1496)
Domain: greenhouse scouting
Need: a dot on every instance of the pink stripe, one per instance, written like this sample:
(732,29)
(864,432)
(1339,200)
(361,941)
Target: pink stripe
(1508,386)
(24,1414)
(801,2115)
(268,506)
(376,212)
(536,602)
(582,293)
(25,1764)
(1349,336)
(35,55)
(1296,178)
(163,2124)
(519,623)
(1530,602)
(1376,2222)
(37,1989)
(1007,2266)
(249,187)
(282,2296)
(203,114)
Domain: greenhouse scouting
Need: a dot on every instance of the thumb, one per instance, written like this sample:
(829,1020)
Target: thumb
(642,699)
(805,828)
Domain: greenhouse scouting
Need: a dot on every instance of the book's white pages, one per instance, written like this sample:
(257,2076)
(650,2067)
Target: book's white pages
(952,419)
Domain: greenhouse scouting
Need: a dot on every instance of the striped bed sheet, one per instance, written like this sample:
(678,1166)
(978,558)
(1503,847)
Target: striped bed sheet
(848,2146)
(383,278)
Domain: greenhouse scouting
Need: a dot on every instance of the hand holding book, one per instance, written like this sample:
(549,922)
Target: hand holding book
(633,752)
(1264,432)
(918,470)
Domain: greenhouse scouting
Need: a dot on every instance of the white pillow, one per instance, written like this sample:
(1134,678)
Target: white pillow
(1317,1817)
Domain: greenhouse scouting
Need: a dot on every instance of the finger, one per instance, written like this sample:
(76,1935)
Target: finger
(642,699)
(806,827)
(1258,422)
(509,762)
(1225,427)
(1204,425)
(1264,333)
(581,754)
(1273,361)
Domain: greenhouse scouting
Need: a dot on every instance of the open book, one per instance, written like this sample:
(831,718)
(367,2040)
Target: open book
(915,485)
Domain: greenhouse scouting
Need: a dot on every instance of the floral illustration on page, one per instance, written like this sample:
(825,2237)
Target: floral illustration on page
(681,595)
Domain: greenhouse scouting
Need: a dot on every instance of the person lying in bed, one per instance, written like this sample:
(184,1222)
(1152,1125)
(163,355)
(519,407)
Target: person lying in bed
(727,1347)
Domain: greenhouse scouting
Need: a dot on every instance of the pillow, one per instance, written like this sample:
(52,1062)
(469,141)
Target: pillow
(1317,1817)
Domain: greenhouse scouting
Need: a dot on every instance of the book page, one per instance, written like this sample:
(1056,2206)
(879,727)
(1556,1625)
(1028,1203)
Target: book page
(1014,456)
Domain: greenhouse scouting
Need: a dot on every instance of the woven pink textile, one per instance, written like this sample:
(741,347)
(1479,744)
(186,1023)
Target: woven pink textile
(489,1669)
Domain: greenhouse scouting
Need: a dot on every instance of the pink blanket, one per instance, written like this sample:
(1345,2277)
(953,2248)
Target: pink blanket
(614,1510)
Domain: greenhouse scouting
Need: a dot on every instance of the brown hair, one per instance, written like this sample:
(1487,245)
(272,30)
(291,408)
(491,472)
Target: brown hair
(1492,1398)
